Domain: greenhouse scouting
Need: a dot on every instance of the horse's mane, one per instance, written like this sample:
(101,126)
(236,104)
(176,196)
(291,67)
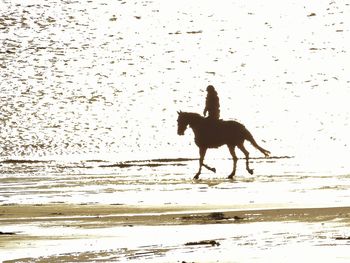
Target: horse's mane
(196,116)
(193,114)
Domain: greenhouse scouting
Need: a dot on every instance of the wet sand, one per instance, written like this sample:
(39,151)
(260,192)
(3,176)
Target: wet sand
(87,233)
(153,211)
(164,215)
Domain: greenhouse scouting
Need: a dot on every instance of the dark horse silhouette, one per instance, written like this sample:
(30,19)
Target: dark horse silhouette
(210,133)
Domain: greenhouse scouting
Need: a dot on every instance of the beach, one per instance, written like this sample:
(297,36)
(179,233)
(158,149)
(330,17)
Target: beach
(92,168)
(170,217)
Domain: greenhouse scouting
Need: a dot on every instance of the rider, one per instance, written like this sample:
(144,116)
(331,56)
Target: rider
(212,105)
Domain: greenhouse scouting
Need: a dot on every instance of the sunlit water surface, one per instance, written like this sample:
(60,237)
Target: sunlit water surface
(104,79)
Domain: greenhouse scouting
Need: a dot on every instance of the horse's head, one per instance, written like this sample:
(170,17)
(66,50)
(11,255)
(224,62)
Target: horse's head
(182,123)
(187,118)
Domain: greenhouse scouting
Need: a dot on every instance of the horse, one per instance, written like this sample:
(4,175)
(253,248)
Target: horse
(213,133)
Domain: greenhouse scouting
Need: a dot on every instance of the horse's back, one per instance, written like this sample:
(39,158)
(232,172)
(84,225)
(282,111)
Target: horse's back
(214,133)
(234,131)
(234,125)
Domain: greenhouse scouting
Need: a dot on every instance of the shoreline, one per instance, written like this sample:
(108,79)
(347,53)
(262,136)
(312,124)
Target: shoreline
(163,215)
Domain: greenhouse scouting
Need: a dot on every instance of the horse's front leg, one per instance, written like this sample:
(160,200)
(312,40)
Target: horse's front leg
(234,157)
(210,168)
(202,152)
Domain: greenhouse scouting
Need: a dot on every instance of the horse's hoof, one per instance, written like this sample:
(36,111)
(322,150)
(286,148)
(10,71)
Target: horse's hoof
(251,171)
(230,176)
(196,177)
(214,170)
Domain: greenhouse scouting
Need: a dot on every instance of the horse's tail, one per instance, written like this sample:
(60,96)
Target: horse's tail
(251,139)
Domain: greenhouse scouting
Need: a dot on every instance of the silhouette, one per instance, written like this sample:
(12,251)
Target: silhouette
(213,134)
(212,104)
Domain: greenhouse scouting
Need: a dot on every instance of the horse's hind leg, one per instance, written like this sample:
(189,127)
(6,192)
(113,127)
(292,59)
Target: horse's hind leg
(202,152)
(246,153)
(234,157)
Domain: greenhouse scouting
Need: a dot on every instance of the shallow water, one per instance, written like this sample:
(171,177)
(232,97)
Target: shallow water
(277,182)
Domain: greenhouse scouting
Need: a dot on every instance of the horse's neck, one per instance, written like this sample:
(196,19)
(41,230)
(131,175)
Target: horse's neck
(196,123)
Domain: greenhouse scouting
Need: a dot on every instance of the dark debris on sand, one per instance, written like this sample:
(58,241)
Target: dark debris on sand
(7,233)
(342,238)
(218,217)
(203,242)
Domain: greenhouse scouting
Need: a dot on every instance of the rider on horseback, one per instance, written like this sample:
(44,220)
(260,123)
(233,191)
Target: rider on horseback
(212,105)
